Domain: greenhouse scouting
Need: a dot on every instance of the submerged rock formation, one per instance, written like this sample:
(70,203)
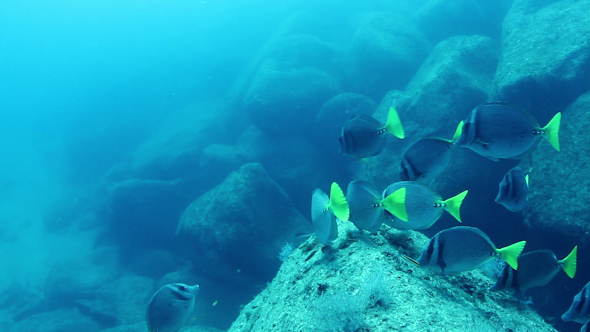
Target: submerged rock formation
(235,230)
(545,60)
(560,186)
(363,284)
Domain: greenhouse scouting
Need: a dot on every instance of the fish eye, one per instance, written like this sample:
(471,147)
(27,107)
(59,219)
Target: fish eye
(182,288)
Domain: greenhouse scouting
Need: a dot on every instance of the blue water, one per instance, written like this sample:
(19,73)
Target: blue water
(92,94)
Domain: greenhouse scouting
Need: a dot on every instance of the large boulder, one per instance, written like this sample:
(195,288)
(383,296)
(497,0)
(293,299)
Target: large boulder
(384,53)
(545,60)
(303,51)
(441,19)
(328,122)
(175,149)
(297,164)
(77,277)
(454,79)
(144,213)
(120,302)
(560,186)
(240,225)
(285,101)
(296,77)
(450,83)
(363,284)
(61,320)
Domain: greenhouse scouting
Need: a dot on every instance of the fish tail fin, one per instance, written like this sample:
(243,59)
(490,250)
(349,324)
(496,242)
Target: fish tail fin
(394,124)
(569,264)
(453,204)
(552,131)
(411,260)
(338,204)
(510,253)
(458,132)
(396,204)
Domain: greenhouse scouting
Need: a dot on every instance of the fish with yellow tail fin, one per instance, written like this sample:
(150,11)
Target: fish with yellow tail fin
(502,131)
(364,136)
(325,210)
(367,207)
(428,157)
(535,269)
(423,207)
(464,248)
(513,190)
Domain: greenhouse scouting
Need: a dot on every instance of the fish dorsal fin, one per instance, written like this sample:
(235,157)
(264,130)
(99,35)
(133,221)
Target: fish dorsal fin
(458,132)
(395,203)
(552,131)
(411,260)
(394,124)
(453,204)
(569,264)
(338,204)
(510,253)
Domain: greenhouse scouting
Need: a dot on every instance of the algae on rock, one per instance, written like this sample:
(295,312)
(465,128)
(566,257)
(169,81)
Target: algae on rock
(362,284)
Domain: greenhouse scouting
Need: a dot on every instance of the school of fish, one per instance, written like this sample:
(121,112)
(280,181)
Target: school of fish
(493,130)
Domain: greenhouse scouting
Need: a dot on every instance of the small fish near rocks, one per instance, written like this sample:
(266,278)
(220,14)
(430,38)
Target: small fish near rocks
(170,307)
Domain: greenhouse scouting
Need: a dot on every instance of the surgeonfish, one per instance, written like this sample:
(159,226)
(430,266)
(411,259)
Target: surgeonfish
(366,211)
(579,311)
(367,207)
(427,157)
(423,206)
(364,136)
(464,248)
(513,190)
(170,307)
(535,269)
(501,131)
(325,210)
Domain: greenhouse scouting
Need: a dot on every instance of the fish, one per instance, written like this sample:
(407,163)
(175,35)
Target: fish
(364,136)
(423,207)
(170,307)
(535,269)
(325,210)
(366,211)
(502,131)
(579,311)
(428,157)
(464,248)
(513,190)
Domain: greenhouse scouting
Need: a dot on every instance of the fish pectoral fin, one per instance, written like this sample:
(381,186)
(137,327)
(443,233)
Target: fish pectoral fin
(410,259)
(492,158)
(178,304)
(481,143)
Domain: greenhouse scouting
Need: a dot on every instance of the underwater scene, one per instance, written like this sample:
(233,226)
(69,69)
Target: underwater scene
(296,166)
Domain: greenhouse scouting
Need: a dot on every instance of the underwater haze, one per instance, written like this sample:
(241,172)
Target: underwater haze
(147,143)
